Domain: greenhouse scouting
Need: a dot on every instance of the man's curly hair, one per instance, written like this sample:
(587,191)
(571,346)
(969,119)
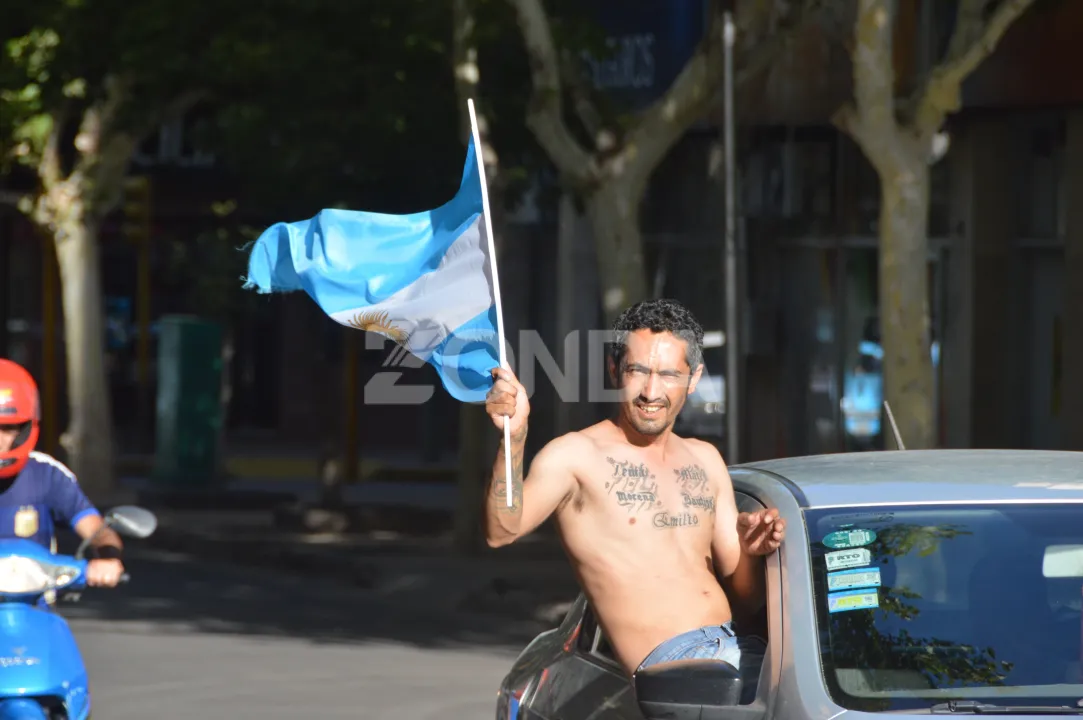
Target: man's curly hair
(662,315)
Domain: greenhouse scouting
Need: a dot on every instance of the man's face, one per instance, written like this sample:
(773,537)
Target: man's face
(654,380)
(8,433)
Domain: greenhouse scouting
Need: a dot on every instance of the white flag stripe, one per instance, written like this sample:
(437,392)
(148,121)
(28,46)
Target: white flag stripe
(431,308)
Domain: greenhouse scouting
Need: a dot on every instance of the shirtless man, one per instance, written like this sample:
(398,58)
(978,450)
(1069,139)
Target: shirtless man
(647,518)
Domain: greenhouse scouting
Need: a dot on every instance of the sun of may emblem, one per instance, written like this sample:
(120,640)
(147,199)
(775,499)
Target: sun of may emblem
(378,322)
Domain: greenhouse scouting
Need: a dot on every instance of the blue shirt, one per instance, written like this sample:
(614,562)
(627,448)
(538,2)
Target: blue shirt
(44,494)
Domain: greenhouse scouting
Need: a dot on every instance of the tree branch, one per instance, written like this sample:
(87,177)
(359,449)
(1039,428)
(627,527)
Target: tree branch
(579,88)
(545,116)
(467,81)
(697,86)
(972,42)
(693,91)
(873,112)
(109,147)
(49,166)
(465,61)
(756,53)
(969,21)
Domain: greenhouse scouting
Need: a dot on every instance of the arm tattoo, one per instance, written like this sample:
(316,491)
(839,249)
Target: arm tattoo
(500,483)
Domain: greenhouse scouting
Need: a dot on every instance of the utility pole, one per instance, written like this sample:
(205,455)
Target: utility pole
(137,228)
(732,350)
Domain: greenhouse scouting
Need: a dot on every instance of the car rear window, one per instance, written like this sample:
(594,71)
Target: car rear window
(918,605)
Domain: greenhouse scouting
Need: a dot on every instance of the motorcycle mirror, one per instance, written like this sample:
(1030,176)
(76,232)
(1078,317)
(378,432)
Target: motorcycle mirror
(133,521)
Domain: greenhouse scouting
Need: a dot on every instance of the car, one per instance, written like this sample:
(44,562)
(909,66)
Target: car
(909,582)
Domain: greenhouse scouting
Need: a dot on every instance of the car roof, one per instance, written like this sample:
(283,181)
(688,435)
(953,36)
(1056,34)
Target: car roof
(930,476)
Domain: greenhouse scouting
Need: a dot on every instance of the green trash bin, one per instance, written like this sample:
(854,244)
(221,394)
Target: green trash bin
(188,411)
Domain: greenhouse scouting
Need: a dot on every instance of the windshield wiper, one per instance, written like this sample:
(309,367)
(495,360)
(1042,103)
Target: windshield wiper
(977,708)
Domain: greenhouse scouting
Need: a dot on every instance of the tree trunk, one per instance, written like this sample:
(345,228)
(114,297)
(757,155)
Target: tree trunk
(476,449)
(88,440)
(475,464)
(613,212)
(904,298)
(5,283)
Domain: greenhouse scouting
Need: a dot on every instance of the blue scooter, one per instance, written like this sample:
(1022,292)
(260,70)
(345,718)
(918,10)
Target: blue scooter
(42,675)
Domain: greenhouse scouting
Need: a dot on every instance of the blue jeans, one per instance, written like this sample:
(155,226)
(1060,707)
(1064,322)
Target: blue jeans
(716,642)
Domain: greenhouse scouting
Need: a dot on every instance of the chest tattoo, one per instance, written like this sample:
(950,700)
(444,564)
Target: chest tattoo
(695,487)
(665,520)
(633,485)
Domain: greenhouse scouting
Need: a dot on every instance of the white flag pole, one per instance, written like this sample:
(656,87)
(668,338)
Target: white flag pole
(496,282)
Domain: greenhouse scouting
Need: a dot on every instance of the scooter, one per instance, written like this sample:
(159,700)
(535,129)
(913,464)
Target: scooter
(42,675)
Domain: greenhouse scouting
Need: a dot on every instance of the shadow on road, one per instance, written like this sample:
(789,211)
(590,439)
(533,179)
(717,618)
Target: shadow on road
(176,593)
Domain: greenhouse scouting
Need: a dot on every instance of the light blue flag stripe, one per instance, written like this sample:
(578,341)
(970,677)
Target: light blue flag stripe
(424,279)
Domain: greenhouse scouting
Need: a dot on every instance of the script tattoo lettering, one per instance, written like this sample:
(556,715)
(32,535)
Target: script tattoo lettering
(691,478)
(664,520)
(633,485)
(703,502)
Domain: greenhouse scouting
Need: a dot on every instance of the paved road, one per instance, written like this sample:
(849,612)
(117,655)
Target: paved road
(185,640)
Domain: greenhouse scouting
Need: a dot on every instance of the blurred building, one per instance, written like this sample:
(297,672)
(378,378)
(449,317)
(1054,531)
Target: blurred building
(1004,247)
(1005,262)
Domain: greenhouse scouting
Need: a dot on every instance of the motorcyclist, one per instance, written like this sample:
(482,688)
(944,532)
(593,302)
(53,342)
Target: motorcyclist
(37,491)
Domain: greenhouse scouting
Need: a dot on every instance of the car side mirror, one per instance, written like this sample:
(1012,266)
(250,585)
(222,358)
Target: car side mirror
(687,690)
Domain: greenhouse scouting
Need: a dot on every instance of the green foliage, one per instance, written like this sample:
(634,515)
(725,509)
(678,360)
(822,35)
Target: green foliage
(207,265)
(342,104)
(306,104)
(24,74)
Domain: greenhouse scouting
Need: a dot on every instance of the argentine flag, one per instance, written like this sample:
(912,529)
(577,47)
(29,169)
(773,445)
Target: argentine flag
(426,280)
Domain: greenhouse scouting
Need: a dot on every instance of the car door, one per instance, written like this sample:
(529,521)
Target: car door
(585,682)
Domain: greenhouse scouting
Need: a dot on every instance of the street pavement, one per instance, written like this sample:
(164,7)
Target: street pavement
(191,638)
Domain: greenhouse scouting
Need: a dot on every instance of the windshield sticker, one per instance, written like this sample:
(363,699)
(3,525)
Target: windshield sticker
(849,538)
(840,559)
(854,578)
(847,520)
(853,600)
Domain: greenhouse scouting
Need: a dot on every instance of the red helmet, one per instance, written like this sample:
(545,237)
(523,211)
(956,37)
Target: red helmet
(19,407)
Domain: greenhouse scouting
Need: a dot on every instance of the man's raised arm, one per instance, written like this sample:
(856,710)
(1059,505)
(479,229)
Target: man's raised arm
(550,481)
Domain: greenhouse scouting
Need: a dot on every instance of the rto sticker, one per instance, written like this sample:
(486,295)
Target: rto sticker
(853,578)
(853,600)
(849,538)
(840,559)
